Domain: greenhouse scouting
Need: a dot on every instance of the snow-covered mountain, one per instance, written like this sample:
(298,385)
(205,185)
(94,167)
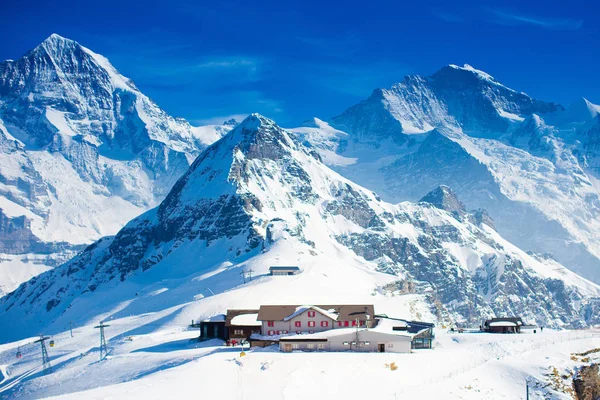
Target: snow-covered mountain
(258,197)
(533,165)
(82,151)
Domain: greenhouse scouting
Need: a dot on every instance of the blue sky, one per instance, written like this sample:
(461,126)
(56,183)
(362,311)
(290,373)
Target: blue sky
(291,61)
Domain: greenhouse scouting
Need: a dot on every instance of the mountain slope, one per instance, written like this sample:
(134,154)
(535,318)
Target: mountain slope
(256,198)
(532,164)
(82,150)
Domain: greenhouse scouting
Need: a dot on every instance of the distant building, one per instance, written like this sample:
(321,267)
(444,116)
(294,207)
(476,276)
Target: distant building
(503,325)
(284,270)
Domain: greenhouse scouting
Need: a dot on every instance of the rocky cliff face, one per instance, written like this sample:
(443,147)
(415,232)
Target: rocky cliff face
(258,186)
(82,150)
(531,164)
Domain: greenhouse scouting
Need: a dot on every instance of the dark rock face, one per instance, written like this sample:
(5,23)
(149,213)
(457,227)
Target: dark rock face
(587,383)
(445,199)
(16,238)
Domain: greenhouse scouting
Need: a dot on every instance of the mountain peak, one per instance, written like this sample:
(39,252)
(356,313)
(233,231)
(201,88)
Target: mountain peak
(55,44)
(444,198)
(481,74)
(582,110)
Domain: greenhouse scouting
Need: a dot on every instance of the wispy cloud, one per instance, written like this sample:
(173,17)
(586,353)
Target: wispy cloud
(447,16)
(514,18)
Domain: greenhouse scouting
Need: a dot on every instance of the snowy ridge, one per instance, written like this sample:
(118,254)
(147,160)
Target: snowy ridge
(257,198)
(532,164)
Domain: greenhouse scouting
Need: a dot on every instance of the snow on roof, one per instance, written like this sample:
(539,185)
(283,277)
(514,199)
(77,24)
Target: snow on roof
(280,268)
(385,325)
(245,320)
(215,318)
(503,323)
(300,309)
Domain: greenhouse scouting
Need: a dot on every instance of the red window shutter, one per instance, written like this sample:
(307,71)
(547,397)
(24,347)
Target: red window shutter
(271,333)
(271,323)
(346,323)
(353,322)
(340,323)
(298,324)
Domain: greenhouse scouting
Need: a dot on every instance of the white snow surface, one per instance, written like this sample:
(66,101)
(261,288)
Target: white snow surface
(245,320)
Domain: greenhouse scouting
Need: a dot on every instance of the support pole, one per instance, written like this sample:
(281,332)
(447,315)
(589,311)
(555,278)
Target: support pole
(45,359)
(103,347)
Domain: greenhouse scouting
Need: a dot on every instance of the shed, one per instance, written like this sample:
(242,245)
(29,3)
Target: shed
(212,328)
(503,325)
(284,270)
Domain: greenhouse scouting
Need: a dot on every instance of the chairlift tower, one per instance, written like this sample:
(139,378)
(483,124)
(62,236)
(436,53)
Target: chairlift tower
(45,359)
(103,347)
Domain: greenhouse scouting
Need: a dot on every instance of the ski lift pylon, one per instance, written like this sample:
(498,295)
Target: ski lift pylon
(19,354)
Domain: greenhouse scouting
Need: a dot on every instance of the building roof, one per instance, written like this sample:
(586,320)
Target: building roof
(503,323)
(215,318)
(411,326)
(344,312)
(234,313)
(331,314)
(245,320)
(284,268)
(516,320)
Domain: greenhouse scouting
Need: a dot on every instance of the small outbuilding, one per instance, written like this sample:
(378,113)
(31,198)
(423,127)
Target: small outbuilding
(503,325)
(211,328)
(283,270)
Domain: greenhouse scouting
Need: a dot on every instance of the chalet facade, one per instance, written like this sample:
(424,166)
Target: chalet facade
(503,325)
(289,319)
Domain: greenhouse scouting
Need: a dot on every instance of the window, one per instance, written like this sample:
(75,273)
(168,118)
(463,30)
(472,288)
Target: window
(390,345)
(271,323)
(311,331)
(324,324)
(361,323)
(295,346)
(298,324)
(279,332)
(311,314)
(340,323)
(238,332)
(310,346)
(283,332)
(321,346)
(346,323)
(311,324)
(298,332)
(353,322)
(271,333)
